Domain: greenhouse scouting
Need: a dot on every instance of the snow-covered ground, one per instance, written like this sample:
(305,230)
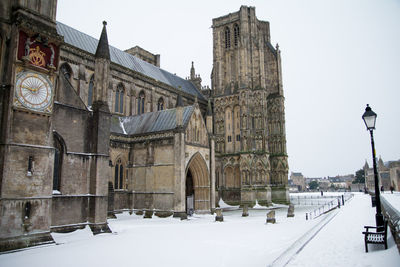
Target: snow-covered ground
(238,241)
(394,199)
(340,242)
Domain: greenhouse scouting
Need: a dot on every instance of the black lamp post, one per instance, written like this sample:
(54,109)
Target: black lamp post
(369,118)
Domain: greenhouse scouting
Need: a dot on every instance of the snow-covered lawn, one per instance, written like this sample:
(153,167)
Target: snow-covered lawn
(200,241)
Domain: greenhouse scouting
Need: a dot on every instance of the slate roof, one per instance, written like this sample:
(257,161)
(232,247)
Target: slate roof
(87,43)
(151,122)
(297,174)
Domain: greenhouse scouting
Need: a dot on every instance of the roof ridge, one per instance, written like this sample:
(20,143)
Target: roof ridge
(166,76)
(153,112)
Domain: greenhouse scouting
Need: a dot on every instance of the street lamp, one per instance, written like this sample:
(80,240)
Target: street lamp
(369,118)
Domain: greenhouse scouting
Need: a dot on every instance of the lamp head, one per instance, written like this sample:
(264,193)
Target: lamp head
(369,118)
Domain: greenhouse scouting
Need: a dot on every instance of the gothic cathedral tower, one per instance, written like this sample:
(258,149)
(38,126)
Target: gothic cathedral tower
(249,118)
(29,47)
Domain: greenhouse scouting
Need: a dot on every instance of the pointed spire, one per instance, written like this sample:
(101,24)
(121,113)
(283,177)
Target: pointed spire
(103,50)
(209,109)
(192,72)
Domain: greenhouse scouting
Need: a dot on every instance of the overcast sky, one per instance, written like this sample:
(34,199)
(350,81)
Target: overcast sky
(337,56)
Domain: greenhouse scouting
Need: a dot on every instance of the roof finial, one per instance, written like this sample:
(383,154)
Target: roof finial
(192,72)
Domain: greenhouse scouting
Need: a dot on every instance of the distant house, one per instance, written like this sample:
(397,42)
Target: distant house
(342,181)
(292,187)
(357,187)
(388,173)
(324,184)
(298,180)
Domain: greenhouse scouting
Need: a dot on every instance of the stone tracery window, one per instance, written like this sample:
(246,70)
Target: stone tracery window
(118,175)
(90,91)
(119,98)
(160,104)
(140,105)
(227,38)
(58,160)
(236,33)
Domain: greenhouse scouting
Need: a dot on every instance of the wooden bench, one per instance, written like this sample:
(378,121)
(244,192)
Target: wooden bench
(375,237)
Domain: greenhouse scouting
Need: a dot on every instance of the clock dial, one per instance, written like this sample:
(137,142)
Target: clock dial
(34,91)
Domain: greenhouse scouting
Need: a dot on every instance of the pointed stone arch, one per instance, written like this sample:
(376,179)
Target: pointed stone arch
(119,172)
(60,149)
(197,167)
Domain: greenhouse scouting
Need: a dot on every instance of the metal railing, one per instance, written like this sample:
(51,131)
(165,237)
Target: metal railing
(311,200)
(323,203)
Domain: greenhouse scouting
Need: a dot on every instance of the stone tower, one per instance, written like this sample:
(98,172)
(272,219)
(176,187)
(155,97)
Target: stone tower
(249,118)
(29,47)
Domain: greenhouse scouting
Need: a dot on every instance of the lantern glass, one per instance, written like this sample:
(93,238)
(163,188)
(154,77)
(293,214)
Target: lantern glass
(369,118)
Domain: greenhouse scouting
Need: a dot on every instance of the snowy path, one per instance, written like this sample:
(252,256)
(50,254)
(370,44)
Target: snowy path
(341,243)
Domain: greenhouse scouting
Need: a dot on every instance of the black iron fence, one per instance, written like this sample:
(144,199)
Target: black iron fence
(324,203)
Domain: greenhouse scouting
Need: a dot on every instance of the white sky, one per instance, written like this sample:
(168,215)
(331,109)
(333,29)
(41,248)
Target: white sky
(337,56)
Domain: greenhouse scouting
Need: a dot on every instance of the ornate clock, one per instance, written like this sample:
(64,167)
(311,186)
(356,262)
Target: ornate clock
(34,91)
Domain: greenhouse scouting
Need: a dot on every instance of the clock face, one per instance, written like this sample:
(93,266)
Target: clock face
(34,91)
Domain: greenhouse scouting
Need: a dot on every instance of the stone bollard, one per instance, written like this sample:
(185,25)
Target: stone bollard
(219,217)
(148,214)
(290,212)
(139,212)
(271,217)
(245,212)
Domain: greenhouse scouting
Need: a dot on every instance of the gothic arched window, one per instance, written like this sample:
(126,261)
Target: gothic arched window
(118,175)
(66,70)
(90,91)
(227,38)
(141,103)
(58,159)
(160,104)
(236,34)
(119,99)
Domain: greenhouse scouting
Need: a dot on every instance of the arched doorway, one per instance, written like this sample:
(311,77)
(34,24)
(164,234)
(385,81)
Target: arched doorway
(198,183)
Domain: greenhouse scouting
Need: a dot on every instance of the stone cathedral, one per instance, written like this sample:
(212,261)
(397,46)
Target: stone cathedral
(249,117)
(89,130)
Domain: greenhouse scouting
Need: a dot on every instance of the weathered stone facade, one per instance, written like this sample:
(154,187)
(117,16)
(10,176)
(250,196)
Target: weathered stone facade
(159,162)
(249,117)
(114,132)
